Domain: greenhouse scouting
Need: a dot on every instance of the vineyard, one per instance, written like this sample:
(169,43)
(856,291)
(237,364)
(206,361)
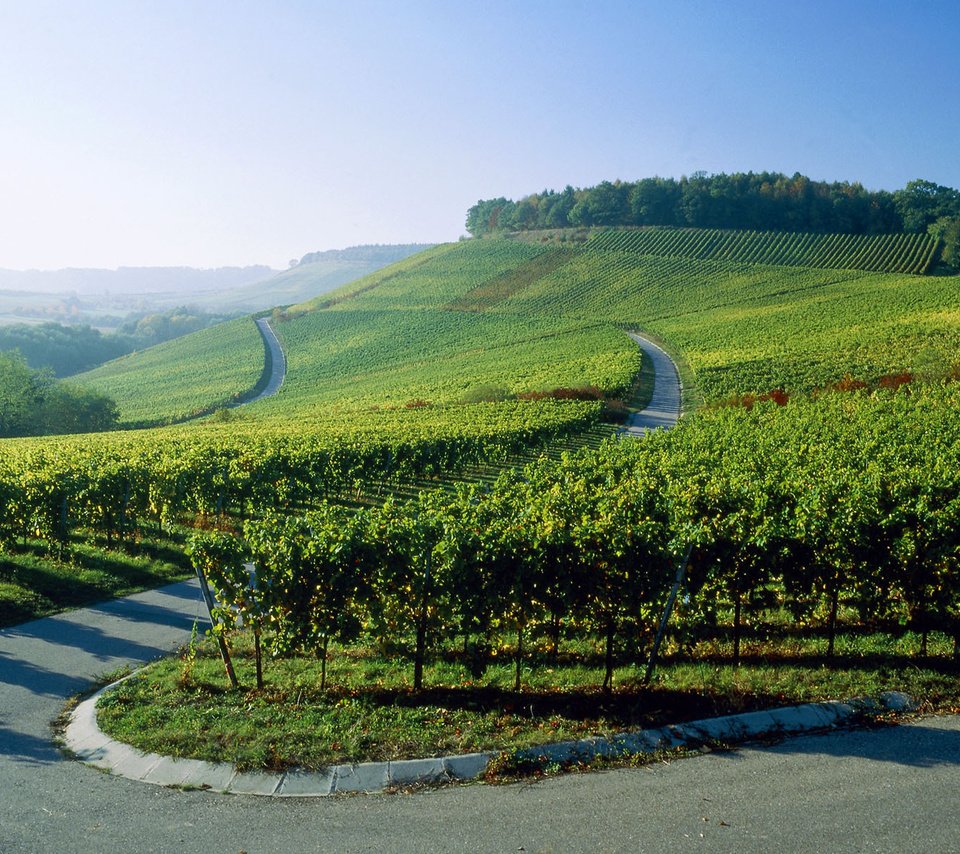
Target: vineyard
(109,484)
(827,388)
(486,313)
(882,253)
(358,359)
(751,328)
(177,379)
(826,510)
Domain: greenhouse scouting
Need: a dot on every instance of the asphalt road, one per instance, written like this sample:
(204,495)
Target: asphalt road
(892,789)
(663,411)
(278,360)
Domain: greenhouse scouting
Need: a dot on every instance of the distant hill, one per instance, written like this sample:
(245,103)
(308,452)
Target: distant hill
(132,280)
(316,273)
(497,317)
(104,298)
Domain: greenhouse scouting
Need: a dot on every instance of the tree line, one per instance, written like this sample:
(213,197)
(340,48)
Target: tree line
(35,403)
(68,350)
(761,201)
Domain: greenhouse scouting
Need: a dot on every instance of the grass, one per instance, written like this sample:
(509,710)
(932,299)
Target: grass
(35,583)
(182,706)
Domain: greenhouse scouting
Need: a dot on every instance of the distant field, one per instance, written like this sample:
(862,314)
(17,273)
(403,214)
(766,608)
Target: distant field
(307,280)
(178,378)
(433,278)
(523,316)
(748,327)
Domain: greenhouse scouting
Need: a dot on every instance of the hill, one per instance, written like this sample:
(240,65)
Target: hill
(314,274)
(173,281)
(180,378)
(107,298)
(441,323)
(767,201)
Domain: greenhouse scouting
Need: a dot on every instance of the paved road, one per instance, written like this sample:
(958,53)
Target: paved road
(278,361)
(663,410)
(881,790)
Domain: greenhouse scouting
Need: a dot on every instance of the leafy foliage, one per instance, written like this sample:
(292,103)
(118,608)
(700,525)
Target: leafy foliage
(33,403)
(819,505)
(768,201)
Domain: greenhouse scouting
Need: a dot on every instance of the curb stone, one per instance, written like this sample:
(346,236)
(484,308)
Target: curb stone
(85,740)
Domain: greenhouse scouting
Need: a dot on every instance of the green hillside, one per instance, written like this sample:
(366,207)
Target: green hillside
(179,378)
(526,315)
(883,253)
(315,274)
(353,359)
(750,327)
(741,327)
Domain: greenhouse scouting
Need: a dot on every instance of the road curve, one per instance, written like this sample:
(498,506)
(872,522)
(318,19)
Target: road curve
(278,361)
(864,790)
(663,411)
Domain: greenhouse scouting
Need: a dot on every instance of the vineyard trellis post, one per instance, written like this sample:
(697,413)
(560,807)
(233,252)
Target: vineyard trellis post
(224,651)
(667,611)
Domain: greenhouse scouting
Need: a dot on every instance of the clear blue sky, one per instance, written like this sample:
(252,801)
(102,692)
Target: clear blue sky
(229,133)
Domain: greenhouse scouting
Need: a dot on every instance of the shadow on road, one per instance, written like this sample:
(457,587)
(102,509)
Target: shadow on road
(29,749)
(910,744)
(39,680)
(99,644)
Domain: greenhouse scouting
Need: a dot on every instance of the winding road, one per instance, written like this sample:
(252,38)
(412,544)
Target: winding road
(863,790)
(278,361)
(663,411)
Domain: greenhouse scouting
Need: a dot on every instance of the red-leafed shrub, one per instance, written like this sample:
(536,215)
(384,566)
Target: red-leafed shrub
(895,381)
(848,383)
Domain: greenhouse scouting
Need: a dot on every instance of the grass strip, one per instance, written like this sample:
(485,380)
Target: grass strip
(182,706)
(35,583)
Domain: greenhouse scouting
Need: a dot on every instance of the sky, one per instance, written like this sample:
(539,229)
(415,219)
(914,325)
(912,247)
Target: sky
(207,133)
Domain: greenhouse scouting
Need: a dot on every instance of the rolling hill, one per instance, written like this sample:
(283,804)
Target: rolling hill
(534,314)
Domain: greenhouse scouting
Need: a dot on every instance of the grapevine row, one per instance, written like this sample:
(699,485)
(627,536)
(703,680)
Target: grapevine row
(108,483)
(831,506)
(887,253)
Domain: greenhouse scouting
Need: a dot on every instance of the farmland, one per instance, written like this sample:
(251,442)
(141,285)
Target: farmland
(447,360)
(518,316)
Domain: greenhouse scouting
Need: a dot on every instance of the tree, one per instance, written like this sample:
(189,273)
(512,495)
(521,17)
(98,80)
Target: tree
(69,408)
(653,201)
(605,204)
(947,230)
(22,393)
(921,203)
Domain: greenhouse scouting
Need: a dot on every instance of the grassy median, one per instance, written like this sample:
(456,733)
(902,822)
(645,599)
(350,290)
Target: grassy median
(183,706)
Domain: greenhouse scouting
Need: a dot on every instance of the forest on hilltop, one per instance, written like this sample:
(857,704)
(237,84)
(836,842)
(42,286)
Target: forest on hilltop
(761,201)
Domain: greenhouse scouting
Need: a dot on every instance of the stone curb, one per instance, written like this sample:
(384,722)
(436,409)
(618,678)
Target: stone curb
(84,738)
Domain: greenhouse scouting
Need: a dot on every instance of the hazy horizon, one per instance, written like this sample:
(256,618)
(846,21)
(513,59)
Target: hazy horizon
(230,135)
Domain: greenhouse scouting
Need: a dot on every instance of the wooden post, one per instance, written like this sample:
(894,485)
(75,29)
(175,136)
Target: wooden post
(667,611)
(224,652)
